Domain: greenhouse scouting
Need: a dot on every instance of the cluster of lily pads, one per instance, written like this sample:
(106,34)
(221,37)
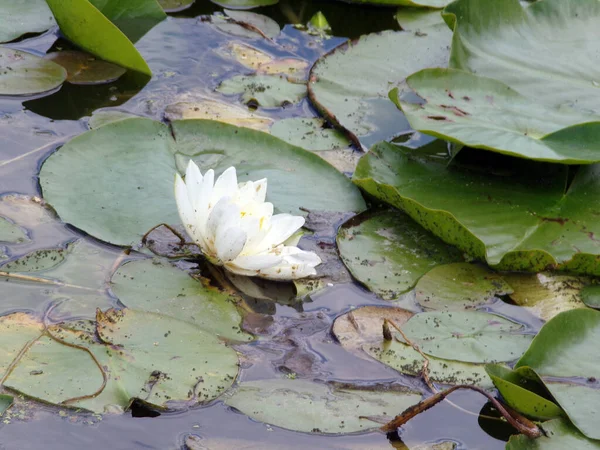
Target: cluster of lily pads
(509,185)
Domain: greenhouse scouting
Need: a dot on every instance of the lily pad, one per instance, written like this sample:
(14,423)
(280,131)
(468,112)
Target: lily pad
(264,24)
(163,289)
(296,70)
(244,4)
(122,188)
(269,91)
(484,113)
(309,407)
(248,56)
(509,42)
(83,68)
(22,73)
(350,85)
(561,356)
(522,391)
(420,3)
(101,117)
(6,402)
(547,294)
(18,330)
(135,351)
(560,434)
(171,6)
(219,111)
(474,337)
(84,25)
(360,332)
(459,286)
(309,133)
(590,296)
(24,16)
(543,227)
(388,252)
(9,232)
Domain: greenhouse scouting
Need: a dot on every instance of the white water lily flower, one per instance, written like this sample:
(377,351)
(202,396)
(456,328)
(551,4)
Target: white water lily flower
(235,228)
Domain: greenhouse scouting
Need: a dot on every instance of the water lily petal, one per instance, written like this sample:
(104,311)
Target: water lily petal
(287,272)
(260,190)
(226,185)
(282,227)
(193,182)
(224,215)
(252,263)
(184,207)
(229,242)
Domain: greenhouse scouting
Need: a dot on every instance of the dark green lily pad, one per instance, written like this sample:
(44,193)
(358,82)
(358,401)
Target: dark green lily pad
(388,252)
(473,336)
(544,227)
(562,356)
(560,435)
(6,402)
(269,91)
(163,289)
(484,113)
(122,188)
(590,295)
(522,390)
(508,41)
(25,74)
(350,85)
(83,68)
(459,286)
(305,406)
(24,16)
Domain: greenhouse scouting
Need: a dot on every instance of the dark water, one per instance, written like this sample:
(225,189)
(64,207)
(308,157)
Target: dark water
(184,55)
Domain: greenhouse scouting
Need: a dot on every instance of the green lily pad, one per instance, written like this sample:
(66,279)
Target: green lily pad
(101,117)
(388,252)
(83,68)
(547,294)
(305,406)
(543,227)
(244,4)
(360,332)
(473,336)
(522,391)
(590,296)
(84,25)
(24,16)
(309,133)
(25,74)
(163,289)
(122,188)
(171,6)
(459,286)
(419,3)
(350,85)
(509,42)
(269,91)
(267,26)
(18,330)
(136,351)
(560,434)
(10,232)
(561,355)
(484,113)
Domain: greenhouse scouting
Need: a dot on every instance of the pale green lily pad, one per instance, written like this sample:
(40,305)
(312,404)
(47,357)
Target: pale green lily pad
(163,289)
(22,73)
(10,232)
(171,6)
(388,252)
(547,294)
(123,188)
(83,68)
(310,407)
(521,389)
(509,42)
(484,113)
(309,133)
(350,85)
(267,26)
(136,351)
(17,331)
(269,91)
(24,16)
(562,356)
(459,286)
(560,435)
(544,226)
(473,336)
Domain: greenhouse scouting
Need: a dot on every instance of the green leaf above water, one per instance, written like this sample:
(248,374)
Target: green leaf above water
(388,252)
(22,73)
(306,406)
(562,356)
(134,162)
(269,91)
(24,16)
(474,337)
(160,288)
(543,227)
(484,113)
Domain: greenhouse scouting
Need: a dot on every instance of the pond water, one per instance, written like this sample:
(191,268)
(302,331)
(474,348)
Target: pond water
(185,55)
